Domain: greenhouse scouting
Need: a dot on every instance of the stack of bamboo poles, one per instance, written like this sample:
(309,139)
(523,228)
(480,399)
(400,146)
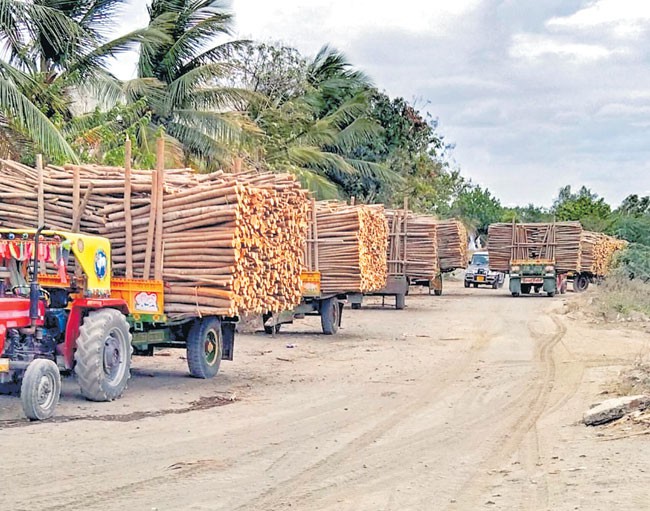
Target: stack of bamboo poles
(422,262)
(452,244)
(559,242)
(597,252)
(348,245)
(224,244)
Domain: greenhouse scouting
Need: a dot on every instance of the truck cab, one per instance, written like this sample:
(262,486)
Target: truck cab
(535,275)
(478,272)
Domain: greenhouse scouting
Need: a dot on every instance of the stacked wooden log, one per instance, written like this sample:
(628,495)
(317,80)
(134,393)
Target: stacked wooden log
(224,244)
(348,245)
(422,254)
(558,241)
(452,244)
(597,252)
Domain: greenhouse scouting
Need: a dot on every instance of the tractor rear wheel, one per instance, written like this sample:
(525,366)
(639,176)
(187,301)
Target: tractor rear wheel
(204,348)
(103,356)
(40,389)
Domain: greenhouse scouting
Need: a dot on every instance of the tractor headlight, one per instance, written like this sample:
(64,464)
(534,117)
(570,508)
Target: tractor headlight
(515,269)
(549,269)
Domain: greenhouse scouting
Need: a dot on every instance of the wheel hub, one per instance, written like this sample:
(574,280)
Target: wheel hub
(112,356)
(45,391)
(210,348)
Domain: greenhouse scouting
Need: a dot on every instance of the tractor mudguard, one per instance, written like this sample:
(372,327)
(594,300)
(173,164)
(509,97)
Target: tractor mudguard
(77,312)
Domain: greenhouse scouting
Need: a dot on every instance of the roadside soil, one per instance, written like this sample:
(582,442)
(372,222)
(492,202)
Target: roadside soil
(472,400)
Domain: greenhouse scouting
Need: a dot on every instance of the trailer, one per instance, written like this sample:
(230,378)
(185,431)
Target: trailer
(81,319)
(329,306)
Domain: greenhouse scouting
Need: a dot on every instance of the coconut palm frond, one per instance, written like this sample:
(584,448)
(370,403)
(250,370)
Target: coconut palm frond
(32,121)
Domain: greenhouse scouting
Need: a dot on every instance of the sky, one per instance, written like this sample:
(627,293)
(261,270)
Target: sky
(533,94)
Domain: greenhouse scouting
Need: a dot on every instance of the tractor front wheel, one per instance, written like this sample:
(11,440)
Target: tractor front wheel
(204,348)
(40,389)
(103,356)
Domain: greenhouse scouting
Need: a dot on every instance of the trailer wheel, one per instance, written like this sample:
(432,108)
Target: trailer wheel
(270,329)
(580,283)
(204,348)
(400,301)
(40,389)
(103,356)
(330,315)
(355,306)
(515,294)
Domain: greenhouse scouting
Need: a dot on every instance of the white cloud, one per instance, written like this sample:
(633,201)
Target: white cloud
(533,46)
(624,17)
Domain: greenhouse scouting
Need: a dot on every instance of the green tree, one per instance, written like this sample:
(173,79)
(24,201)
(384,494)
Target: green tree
(55,49)
(584,206)
(178,81)
(478,208)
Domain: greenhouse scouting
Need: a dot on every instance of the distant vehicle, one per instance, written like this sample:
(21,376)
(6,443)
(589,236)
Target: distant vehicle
(478,272)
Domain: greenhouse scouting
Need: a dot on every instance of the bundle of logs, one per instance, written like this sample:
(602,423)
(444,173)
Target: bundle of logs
(422,248)
(566,243)
(224,244)
(597,252)
(348,245)
(452,244)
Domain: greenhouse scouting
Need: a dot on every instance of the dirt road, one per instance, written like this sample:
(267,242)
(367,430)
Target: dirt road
(461,402)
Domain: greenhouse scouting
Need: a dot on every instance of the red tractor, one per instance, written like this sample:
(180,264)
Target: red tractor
(44,329)
(62,310)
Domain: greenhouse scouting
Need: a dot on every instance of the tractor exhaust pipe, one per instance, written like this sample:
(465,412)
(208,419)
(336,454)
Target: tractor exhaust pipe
(34,288)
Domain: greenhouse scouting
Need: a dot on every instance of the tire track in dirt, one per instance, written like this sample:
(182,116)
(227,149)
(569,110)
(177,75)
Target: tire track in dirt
(298,486)
(535,402)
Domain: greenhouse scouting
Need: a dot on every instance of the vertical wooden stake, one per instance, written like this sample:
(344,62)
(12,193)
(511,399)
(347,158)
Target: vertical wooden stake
(76,190)
(160,188)
(152,223)
(315,222)
(127,209)
(41,202)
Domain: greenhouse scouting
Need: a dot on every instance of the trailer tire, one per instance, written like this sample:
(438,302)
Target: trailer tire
(40,389)
(355,306)
(330,315)
(580,283)
(270,329)
(515,294)
(103,356)
(204,348)
(400,302)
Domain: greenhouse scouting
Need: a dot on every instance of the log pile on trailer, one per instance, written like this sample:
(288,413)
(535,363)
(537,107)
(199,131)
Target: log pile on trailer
(559,242)
(348,245)
(597,252)
(452,244)
(224,244)
(422,248)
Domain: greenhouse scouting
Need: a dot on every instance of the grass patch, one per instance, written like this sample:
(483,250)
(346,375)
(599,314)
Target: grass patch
(621,297)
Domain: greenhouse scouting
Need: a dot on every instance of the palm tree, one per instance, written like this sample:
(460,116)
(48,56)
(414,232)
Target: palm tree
(179,80)
(314,135)
(54,49)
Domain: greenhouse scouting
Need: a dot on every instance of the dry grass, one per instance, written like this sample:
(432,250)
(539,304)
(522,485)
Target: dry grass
(621,298)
